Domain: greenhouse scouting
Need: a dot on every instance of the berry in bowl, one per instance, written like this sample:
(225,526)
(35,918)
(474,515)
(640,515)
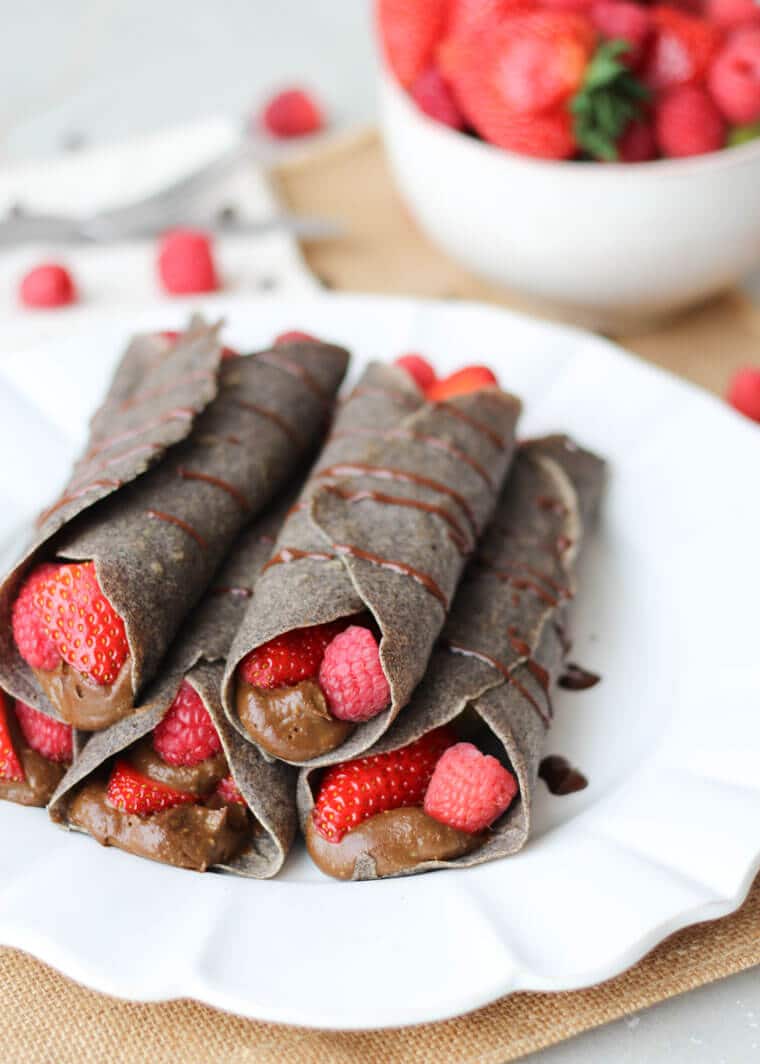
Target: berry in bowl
(600,156)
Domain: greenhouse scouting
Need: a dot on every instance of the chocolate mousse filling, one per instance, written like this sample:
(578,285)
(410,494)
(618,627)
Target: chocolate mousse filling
(292,723)
(84,704)
(389,844)
(187,836)
(200,778)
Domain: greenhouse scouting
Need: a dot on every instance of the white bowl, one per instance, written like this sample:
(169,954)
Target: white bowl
(610,246)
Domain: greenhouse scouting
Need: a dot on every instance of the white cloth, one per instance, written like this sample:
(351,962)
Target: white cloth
(123,276)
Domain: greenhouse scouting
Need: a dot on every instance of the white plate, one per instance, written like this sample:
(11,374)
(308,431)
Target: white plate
(665,835)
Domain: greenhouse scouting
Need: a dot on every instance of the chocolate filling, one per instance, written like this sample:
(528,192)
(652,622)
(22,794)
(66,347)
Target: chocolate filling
(41,777)
(197,779)
(86,705)
(188,836)
(388,844)
(292,723)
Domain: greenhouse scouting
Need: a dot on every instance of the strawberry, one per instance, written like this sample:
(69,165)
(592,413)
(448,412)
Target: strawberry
(409,33)
(293,336)
(186,735)
(418,368)
(730,14)
(744,392)
(351,792)
(433,97)
(228,791)
(638,143)
(46,286)
(470,18)
(734,78)
(47,737)
(687,122)
(682,49)
(514,81)
(610,99)
(289,658)
(469,790)
(186,262)
(292,113)
(62,605)
(623,20)
(10,766)
(464,381)
(132,792)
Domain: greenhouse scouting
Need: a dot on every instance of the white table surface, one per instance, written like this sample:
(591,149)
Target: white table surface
(89,71)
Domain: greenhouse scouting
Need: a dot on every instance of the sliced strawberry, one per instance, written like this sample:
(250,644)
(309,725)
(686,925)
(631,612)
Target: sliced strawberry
(132,792)
(63,606)
(10,766)
(186,735)
(289,658)
(464,381)
(355,790)
(419,369)
(47,737)
(682,49)
(409,33)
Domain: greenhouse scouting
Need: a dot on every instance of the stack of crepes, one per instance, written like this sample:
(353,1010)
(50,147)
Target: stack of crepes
(390,625)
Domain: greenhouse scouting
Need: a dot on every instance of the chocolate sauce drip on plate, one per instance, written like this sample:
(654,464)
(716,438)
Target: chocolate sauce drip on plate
(172,519)
(574,678)
(560,776)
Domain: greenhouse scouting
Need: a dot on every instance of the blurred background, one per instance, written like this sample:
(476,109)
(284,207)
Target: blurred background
(92,71)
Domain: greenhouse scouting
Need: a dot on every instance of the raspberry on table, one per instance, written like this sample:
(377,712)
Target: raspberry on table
(292,113)
(744,392)
(185,262)
(46,286)
(469,790)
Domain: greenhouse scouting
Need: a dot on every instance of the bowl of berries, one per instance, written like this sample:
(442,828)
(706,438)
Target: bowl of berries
(599,156)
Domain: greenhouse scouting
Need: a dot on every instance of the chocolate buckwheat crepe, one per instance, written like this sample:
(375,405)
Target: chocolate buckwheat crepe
(186,449)
(490,676)
(395,504)
(251,840)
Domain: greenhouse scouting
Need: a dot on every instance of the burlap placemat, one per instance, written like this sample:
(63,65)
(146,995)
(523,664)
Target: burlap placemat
(46,1017)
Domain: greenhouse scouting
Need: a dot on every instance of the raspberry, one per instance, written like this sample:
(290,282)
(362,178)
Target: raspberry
(687,122)
(186,735)
(66,606)
(133,792)
(734,78)
(48,285)
(622,20)
(356,790)
(228,791)
(186,262)
(638,144)
(744,392)
(464,381)
(294,336)
(730,14)
(292,113)
(352,677)
(289,658)
(50,738)
(469,790)
(419,369)
(10,766)
(433,96)
(681,51)
(31,637)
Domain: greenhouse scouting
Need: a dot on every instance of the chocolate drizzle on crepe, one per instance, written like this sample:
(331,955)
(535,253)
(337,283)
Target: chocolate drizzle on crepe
(194,448)
(504,642)
(390,513)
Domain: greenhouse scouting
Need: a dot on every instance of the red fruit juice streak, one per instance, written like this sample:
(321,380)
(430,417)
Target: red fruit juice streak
(457,648)
(216,482)
(360,469)
(172,519)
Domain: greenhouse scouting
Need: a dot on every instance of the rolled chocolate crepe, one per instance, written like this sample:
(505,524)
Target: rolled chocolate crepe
(184,451)
(488,684)
(35,752)
(216,830)
(395,504)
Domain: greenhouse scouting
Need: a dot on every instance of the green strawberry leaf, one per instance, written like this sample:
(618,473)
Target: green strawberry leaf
(610,97)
